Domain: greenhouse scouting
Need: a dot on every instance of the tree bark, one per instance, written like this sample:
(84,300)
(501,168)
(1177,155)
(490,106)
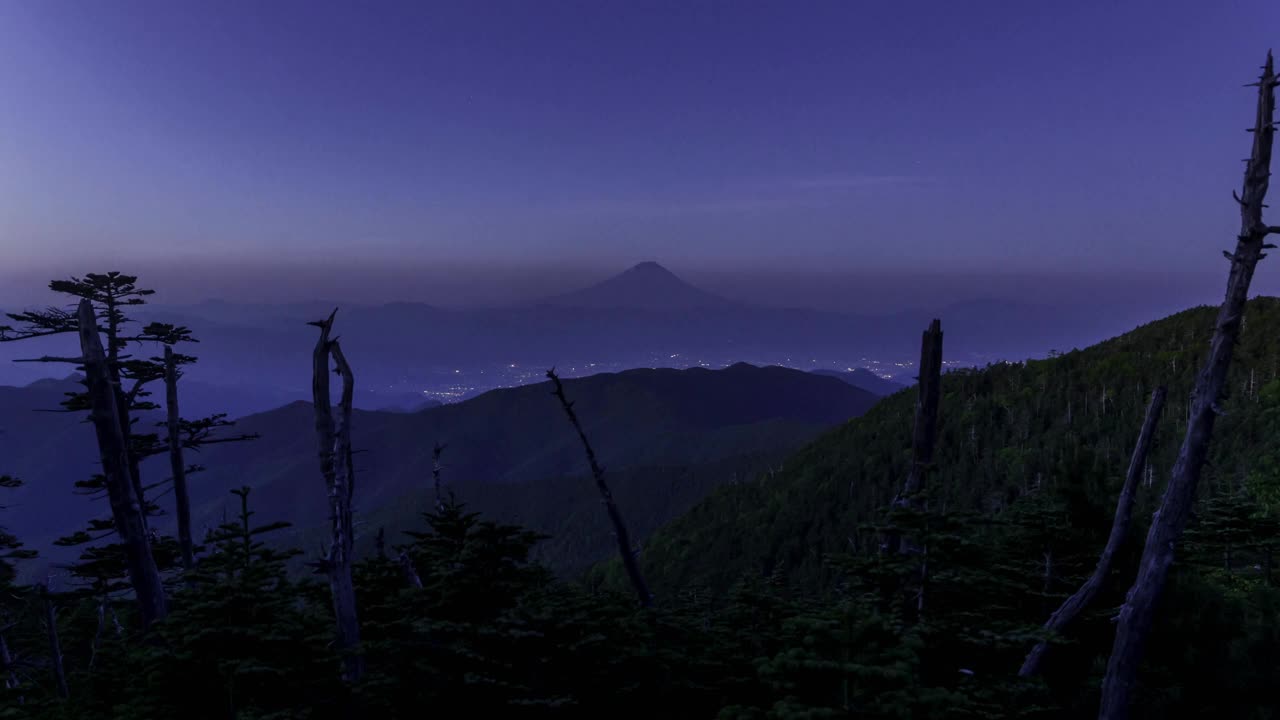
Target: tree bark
(629,561)
(7,667)
(55,647)
(436,452)
(923,438)
(177,466)
(1081,599)
(1166,528)
(126,508)
(112,308)
(925,431)
(337,468)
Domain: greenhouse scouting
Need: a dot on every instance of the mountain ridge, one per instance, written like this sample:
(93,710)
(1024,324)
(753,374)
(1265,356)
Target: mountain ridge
(731,419)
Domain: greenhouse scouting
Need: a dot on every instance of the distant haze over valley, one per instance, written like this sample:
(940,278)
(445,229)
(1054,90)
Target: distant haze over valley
(254,355)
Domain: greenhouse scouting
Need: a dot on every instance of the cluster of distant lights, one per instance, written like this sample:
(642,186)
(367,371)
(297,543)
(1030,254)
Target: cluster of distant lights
(516,375)
(522,375)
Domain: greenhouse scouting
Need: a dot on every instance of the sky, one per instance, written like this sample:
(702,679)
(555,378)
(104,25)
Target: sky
(411,150)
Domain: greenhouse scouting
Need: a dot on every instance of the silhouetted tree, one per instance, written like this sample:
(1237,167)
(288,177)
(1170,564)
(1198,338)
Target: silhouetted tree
(1138,612)
(1078,601)
(627,552)
(338,471)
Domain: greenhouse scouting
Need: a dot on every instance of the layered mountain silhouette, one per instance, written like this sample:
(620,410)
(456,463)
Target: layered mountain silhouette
(667,436)
(646,286)
(257,357)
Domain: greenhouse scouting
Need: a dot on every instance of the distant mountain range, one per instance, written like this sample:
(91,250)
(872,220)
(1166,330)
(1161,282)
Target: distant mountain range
(256,357)
(667,437)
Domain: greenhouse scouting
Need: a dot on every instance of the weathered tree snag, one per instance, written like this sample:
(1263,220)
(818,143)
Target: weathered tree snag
(55,647)
(923,438)
(337,468)
(925,432)
(177,465)
(436,452)
(126,506)
(7,666)
(1075,604)
(1170,520)
(629,562)
(320,399)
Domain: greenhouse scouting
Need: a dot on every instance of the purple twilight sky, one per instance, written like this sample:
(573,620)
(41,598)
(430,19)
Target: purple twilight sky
(380,150)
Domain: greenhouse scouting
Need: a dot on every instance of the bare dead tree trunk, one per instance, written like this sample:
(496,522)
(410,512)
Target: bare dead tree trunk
(629,562)
(177,466)
(436,452)
(337,468)
(97,634)
(7,666)
(1170,520)
(1078,601)
(55,647)
(925,432)
(126,506)
(923,438)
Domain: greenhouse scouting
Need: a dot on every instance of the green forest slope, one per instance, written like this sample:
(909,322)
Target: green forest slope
(1065,424)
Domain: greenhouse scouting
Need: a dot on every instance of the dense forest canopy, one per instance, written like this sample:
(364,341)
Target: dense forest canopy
(763,607)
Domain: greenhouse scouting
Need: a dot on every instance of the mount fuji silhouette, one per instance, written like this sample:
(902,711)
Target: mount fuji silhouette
(646,286)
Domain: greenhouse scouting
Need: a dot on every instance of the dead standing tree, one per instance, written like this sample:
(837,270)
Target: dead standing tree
(436,467)
(923,438)
(336,467)
(55,646)
(1166,528)
(629,562)
(1074,605)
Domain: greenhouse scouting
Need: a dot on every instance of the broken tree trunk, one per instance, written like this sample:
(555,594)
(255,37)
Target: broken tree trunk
(923,438)
(629,561)
(925,432)
(338,471)
(1166,528)
(55,647)
(1075,604)
(177,466)
(126,506)
(8,668)
(436,452)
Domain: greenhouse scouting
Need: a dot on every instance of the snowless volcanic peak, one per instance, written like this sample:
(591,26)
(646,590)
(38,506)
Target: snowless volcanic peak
(647,286)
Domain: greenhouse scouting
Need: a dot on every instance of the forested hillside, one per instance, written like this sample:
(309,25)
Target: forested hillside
(772,597)
(1063,426)
(1029,461)
(670,436)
